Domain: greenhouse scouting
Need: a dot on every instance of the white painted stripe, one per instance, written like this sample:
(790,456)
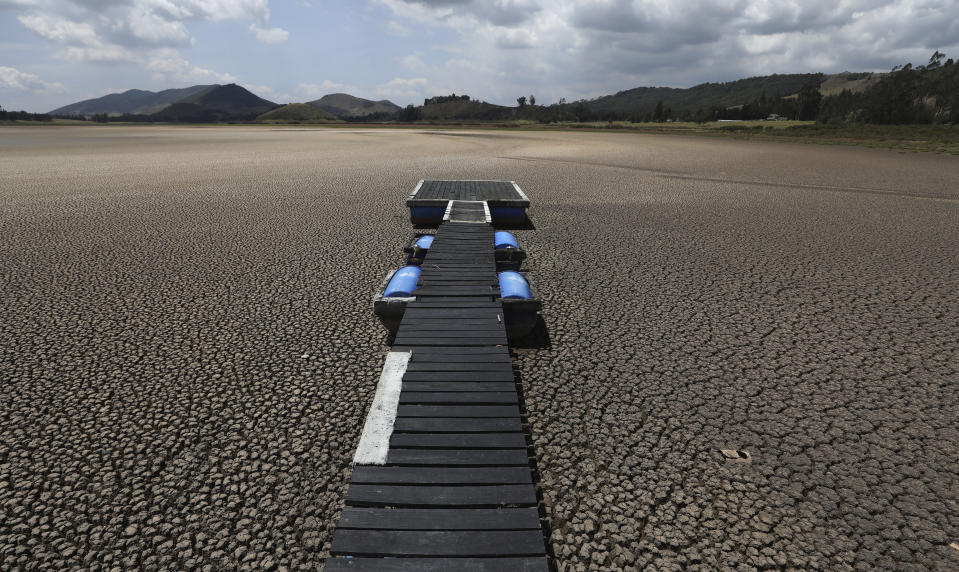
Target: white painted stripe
(522,195)
(375,440)
(416,190)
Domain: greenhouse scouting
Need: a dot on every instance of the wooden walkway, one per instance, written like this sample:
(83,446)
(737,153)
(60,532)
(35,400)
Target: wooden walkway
(456,491)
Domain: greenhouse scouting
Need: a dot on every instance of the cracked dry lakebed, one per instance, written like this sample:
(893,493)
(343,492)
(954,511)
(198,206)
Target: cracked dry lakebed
(188,349)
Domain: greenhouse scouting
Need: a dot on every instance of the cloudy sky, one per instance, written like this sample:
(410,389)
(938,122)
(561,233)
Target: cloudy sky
(54,52)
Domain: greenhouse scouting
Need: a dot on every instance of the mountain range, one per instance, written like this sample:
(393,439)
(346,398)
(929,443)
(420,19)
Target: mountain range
(205,103)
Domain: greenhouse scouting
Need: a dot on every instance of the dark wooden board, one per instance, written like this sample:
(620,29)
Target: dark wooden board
(429,543)
(436,495)
(418,341)
(445,314)
(440,496)
(464,359)
(467,351)
(527,564)
(458,440)
(469,366)
(441,518)
(456,424)
(377,474)
(459,397)
(459,386)
(458,457)
(455,325)
(457,411)
(442,331)
(454,376)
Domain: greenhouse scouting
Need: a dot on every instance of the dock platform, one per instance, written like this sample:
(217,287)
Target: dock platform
(429,200)
(454,489)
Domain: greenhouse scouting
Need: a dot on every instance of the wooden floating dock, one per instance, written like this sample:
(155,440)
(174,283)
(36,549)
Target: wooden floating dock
(505,202)
(456,491)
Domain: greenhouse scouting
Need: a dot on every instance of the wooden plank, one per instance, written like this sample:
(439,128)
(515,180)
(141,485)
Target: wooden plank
(417,341)
(471,351)
(457,411)
(453,376)
(369,474)
(455,291)
(456,424)
(439,300)
(446,543)
(456,397)
(455,325)
(458,441)
(459,386)
(423,332)
(441,518)
(453,366)
(451,457)
(525,564)
(426,496)
(461,358)
(447,313)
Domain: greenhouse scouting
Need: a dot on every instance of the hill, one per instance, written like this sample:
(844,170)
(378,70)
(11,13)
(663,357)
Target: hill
(854,82)
(231,100)
(222,102)
(686,102)
(133,101)
(344,105)
(465,110)
(298,112)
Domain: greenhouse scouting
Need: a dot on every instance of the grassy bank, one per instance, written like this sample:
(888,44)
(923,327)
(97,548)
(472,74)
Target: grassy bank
(930,138)
(927,138)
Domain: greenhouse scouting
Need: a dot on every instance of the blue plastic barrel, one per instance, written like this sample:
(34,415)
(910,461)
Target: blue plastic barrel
(503,239)
(424,241)
(403,282)
(513,285)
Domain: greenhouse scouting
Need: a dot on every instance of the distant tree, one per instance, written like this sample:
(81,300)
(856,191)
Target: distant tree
(936,60)
(809,99)
(658,114)
(562,101)
(521,101)
(409,114)
(532,99)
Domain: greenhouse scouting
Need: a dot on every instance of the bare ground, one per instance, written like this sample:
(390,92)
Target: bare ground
(187,349)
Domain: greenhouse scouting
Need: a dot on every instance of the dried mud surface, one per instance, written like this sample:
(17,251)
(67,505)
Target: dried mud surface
(187,348)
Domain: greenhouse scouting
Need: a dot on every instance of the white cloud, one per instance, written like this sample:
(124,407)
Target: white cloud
(116,30)
(267,92)
(172,67)
(409,90)
(270,35)
(413,63)
(397,29)
(12,79)
(60,30)
(311,91)
(582,48)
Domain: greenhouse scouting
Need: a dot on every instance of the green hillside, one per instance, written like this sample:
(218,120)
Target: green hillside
(685,102)
(300,112)
(344,105)
(465,110)
(231,100)
(132,101)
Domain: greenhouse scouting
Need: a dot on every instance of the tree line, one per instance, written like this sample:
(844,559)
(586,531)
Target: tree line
(907,94)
